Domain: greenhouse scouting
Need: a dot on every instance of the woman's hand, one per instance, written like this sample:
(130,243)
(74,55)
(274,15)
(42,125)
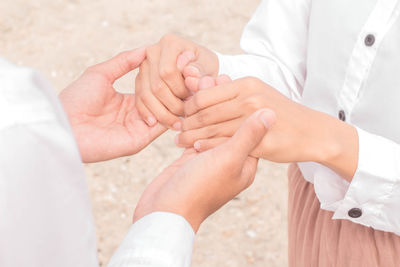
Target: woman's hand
(299,134)
(160,86)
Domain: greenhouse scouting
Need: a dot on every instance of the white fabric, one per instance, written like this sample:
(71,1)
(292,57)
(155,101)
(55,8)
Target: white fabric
(45,212)
(167,236)
(314,51)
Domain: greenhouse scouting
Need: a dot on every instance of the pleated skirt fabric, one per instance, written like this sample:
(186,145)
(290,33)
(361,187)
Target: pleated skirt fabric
(315,240)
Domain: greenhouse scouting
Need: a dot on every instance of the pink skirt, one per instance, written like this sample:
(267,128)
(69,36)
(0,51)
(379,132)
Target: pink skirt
(315,240)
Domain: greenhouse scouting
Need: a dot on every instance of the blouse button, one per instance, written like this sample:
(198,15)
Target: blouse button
(369,40)
(355,213)
(342,115)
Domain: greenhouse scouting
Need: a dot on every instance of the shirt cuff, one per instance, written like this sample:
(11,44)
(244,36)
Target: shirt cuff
(374,192)
(159,239)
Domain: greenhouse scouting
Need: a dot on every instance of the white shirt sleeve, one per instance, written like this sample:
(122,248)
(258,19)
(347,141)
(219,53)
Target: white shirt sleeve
(379,170)
(45,211)
(275,46)
(160,239)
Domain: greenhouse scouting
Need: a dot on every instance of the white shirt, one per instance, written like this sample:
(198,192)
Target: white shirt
(318,53)
(45,213)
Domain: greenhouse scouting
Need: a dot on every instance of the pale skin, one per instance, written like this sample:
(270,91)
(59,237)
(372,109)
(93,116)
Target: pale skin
(107,125)
(160,87)
(191,187)
(213,114)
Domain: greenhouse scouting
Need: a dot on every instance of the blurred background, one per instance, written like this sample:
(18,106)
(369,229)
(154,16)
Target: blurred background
(61,38)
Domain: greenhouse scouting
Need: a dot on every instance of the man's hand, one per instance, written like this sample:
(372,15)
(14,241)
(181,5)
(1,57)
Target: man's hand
(197,185)
(106,124)
(160,86)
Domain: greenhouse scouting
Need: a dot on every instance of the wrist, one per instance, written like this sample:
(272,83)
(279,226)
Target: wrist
(339,147)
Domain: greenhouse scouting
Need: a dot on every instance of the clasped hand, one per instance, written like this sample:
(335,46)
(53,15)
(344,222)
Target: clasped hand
(179,79)
(107,124)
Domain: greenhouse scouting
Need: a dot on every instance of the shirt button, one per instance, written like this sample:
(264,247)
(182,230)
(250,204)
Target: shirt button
(342,115)
(369,40)
(355,213)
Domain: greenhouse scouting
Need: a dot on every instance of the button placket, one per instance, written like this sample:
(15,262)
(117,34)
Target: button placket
(380,21)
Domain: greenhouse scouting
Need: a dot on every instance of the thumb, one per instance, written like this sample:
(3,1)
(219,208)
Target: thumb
(121,64)
(186,63)
(184,59)
(252,131)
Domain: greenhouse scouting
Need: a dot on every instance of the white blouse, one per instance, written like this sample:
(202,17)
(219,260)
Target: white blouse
(340,57)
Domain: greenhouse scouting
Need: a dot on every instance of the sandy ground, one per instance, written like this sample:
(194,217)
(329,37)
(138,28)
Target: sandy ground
(61,38)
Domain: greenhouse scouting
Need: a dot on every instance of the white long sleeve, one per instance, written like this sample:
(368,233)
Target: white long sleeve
(275,46)
(160,239)
(378,172)
(45,211)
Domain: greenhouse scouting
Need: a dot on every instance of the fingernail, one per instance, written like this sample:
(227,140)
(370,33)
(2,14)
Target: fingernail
(197,145)
(177,125)
(189,56)
(185,58)
(151,121)
(267,117)
(192,71)
(177,140)
(264,118)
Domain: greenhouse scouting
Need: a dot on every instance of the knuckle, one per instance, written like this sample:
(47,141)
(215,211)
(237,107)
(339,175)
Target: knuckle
(144,97)
(165,117)
(186,139)
(186,125)
(177,109)
(181,91)
(140,108)
(219,110)
(252,103)
(202,117)
(166,72)
(187,107)
(158,88)
(196,101)
(211,132)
